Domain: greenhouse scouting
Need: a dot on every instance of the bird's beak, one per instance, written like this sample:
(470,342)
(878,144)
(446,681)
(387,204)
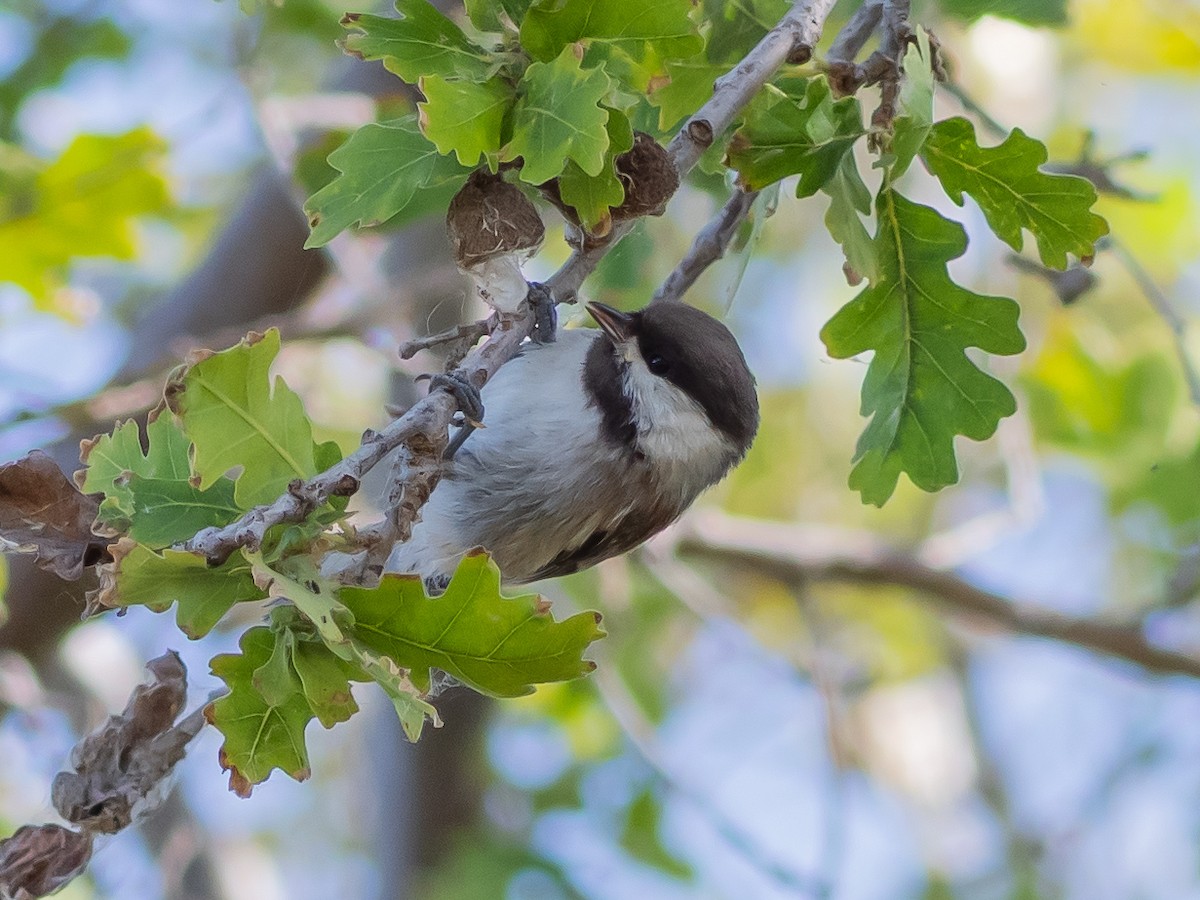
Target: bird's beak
(616,324)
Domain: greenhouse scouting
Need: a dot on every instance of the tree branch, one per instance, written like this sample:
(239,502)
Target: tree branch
(795,553)
(791,41)
(423,429)
(710,245)
(856,32)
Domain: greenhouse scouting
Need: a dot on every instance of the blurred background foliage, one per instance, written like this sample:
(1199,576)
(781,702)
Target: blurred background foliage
(747,734)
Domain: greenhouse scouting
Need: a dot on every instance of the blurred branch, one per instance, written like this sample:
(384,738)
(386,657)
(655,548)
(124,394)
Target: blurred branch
(798,554)
(968,103)
(1099,171)
(1166,311)
(1068,284)
(710,245)
(640,733)
(1021,851)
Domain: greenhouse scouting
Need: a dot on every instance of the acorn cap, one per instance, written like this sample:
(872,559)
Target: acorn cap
(489,217)
(649,178)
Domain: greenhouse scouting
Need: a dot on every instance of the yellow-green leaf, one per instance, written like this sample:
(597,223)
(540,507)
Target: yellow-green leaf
(465,118)
(497,645)
(236,420)
(560,118)
(260,736)
(85,203)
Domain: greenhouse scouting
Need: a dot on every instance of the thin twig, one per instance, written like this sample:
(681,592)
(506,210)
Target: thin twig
(428,421)
(895,28)
(896,33)
(793,553)
(640,733)
(1166,311)
(710,245)
(856,32)
(954,89)
(792,40)
(459,334)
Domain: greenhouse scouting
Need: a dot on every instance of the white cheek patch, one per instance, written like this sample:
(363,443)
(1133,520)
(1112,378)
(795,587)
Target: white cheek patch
(671,426)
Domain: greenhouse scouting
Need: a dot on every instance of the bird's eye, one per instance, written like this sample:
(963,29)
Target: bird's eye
(657,364)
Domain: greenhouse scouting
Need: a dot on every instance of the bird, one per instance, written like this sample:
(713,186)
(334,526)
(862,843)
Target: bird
(593,443)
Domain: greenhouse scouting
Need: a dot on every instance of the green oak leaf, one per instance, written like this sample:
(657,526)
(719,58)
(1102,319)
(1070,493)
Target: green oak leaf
(1013,193)
(916,106)
(422,42)
(560,118)
(318,600)
(465,118)
(325,680)
(111,458)
(390,172)
(84,203)
(260,736)
(411,708)
(235,419)
(150,496)
(594,196)
(485,14)
(166,511)
(848,197)
(1031,12)
(690,86)
(497,645)
(783,136)
(298,580)
(276,680)
(203,594)
(637,30)
(737,27)
(921,389)
(490,15)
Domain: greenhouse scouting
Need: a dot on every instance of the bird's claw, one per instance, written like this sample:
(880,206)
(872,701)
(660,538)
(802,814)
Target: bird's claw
(545,313)
(469,402)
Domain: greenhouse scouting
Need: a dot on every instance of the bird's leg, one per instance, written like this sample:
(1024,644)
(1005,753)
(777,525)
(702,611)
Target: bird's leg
(469,401)
(545,313)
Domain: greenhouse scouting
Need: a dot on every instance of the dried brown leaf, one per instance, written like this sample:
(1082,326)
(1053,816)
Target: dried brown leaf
(119,767)
(39,859)
(43,513)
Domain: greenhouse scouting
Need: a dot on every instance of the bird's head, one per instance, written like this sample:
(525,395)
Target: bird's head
(679,370)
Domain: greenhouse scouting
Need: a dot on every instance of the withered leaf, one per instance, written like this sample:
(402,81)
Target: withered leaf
(43,513)
(120,765)
(39,859)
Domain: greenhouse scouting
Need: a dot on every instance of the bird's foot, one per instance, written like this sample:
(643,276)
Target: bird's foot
(545,313)
(470,402)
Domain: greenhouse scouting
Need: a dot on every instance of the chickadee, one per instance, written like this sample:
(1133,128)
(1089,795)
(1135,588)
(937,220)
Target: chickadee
(594,443)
